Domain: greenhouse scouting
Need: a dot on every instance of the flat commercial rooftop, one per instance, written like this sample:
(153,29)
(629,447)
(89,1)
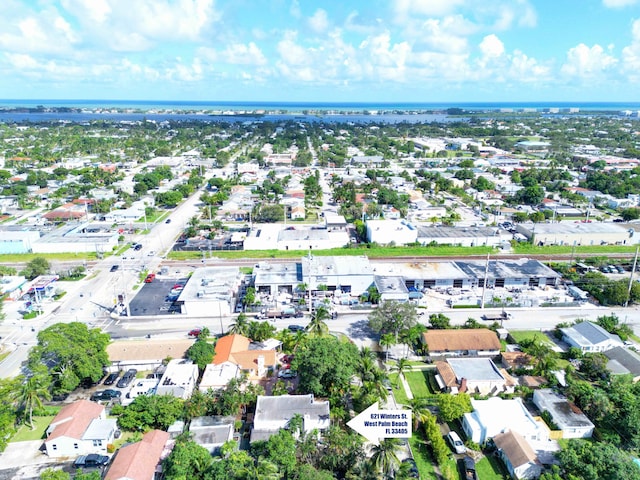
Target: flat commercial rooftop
(569,228)
(516,268)
(474,369)
(313,265)
(457,232)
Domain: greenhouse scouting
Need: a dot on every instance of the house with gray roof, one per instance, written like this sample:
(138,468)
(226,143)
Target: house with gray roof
(590,337)
(274,413)
(623,361)
(568,418)
(212,432)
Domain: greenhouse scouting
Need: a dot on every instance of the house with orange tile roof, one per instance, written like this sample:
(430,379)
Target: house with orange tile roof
(466,342)
(236,349)
(140,460)
(80,428)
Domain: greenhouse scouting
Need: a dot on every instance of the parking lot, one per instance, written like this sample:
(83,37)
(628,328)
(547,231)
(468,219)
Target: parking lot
(152,299)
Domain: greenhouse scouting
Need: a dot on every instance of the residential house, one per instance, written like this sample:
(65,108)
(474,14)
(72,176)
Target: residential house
(275,413)
(217,376)
(496,415)
(146,354)
(212,432)
(589,337)
(140,460)
(473,375)
(179,379)
(511,360)
(79,428)
(235,350)
(568,418)
(518,456)
(623,361)
(455,343)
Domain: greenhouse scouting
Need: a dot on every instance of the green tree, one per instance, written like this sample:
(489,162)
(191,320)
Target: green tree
(187,460)
(260,331)
(629,214)
(439,321)
(72,352)
(317,325)
(53,474)
(36,267)
(392,317)
(386,341)
(201,353)
(241,325)
(402,365)
(325,365)
(33,388)
(585,460)
(385,456)
(147,412)
(453,407)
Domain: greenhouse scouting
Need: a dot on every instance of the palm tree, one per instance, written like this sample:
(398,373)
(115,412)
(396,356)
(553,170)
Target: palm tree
(420,411)
(385,456)
(261,469)
(386,341)
(317,326)
(241,327)
(33,389)
(402,365)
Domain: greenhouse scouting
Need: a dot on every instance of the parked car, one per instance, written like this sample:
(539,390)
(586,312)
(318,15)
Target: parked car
(114,268)
(137,246)
(92,460)
(150,278)
(108,394)
(287,373)
(469,465)
(168,220)
(151,253)
(127,378)
(296,328)
(112,378)
(456,443)
(413,469)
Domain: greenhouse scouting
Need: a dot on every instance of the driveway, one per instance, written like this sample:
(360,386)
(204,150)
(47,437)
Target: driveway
(23,460)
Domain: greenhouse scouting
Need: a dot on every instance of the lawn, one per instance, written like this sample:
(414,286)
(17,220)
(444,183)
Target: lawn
(521,335)
(374,252)
(25,433)
(527,248)
(490,468)
(398,392)
(421,456)
(418,381)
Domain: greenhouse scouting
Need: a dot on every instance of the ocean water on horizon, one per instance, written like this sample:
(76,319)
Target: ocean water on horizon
(313,106)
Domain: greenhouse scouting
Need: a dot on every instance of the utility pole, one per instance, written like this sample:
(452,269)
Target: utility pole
(633,269)
(484,286)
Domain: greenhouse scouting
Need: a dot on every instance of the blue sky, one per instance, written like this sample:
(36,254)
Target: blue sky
(331,51)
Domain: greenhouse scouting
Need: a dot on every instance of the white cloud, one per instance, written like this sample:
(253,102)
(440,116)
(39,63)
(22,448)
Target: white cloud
(618,3)
(585,62)
(631,54)
(491,46)
(294,9)
(126,25)
(407,8)
(443,35)
(319,22)
(242,54)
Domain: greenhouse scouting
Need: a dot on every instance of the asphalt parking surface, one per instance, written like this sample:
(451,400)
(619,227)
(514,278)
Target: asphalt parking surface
(151,298)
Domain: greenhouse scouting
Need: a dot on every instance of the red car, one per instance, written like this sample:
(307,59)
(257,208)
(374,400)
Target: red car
(195,332)
(150,278)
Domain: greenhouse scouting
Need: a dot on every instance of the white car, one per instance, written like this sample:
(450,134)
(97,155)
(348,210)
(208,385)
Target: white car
(456,443)
(151,253)
(287,373)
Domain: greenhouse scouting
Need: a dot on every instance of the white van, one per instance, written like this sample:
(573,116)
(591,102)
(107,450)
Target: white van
(456,443)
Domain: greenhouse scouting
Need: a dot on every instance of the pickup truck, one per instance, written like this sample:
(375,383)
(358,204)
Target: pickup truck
(284,313)
(92,460)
